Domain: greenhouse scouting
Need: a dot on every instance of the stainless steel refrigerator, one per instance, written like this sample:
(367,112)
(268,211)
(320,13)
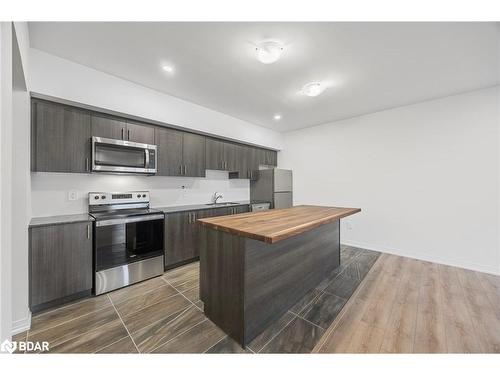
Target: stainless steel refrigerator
(274,186)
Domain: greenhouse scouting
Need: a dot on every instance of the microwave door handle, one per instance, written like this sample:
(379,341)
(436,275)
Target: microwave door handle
(147,158)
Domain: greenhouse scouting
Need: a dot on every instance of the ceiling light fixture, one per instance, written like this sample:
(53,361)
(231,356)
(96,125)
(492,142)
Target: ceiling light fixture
(269,51)
(277,117)
(168,68)
(313,89)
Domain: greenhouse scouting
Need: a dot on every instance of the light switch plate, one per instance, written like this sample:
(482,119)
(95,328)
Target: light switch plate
(72,195)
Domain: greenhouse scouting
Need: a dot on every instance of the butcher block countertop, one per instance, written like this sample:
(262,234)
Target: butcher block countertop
(275,225)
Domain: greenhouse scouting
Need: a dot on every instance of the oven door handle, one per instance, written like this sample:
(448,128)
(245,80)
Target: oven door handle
(136,219)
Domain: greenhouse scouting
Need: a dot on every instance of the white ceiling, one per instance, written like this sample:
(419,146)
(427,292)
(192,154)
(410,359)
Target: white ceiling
(368,66)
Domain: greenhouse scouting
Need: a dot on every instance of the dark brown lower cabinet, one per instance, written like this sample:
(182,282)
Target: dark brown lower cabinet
(60,264)
(182,233)
(180,241)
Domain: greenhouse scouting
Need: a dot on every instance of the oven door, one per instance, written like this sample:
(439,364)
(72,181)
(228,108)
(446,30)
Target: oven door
(113,155)
(128,240)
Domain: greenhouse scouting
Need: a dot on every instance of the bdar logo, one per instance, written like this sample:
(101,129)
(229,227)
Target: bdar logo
(8,346)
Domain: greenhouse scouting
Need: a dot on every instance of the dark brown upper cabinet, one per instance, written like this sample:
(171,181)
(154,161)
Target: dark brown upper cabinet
(169,143)
(140,133)
(249,160)
(61,142)
(271,157)
(193,155)
(215,154)
(115,128)
(252,163)
(108,127)
(60,264)
(227,156)
(60,138)
(180,153)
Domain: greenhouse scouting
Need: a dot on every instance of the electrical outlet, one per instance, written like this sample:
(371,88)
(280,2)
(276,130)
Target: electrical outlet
(72,195)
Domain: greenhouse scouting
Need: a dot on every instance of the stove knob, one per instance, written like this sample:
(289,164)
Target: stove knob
(138,195)
(96,197)
(103,197)
(144,195)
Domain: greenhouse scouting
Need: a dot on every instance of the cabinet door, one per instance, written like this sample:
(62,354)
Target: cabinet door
(219,211)
(61,138)
(169,151)
(108,127)
(181,240)
(243,162)
(261,156)
(252,162)
(231,155)
(60,263)
(140,133)
(271,158)
(214,154)
(193,155)
(241,209)
(200,214)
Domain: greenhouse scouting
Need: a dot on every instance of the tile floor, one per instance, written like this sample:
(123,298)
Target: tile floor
(165,315)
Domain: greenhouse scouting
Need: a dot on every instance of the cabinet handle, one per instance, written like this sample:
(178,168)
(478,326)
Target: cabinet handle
(122,132)
(180,168)
(86,164)
(88,231)
(185,169)
(128,134)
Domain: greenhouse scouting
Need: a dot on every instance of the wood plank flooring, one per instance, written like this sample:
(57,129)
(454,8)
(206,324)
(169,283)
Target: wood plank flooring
(370,304)
(165,315)
(410,306)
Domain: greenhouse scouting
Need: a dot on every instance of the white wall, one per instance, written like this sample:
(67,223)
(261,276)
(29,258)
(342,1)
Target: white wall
(20,178)
(5,179)
(54,76)
(21,195)
(50,190)
(425,176)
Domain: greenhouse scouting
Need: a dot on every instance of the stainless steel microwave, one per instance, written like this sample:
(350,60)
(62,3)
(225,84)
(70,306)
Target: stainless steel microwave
(117,156)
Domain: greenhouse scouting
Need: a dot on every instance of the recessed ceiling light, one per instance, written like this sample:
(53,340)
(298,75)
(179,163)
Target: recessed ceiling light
(313,89)
(168,68)
(269,51)
(277,117)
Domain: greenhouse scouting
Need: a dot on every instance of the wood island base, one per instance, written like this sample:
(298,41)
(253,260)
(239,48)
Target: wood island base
(247,284)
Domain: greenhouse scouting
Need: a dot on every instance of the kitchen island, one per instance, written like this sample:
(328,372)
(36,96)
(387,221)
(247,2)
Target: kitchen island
(255,266)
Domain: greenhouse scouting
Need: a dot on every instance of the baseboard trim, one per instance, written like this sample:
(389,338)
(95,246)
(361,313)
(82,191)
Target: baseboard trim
(21,325)
(426,257)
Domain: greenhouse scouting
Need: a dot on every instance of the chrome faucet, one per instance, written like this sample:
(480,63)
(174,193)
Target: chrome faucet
(216,197)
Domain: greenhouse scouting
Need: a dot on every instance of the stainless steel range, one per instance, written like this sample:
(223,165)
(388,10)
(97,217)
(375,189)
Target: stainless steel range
(128,239)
